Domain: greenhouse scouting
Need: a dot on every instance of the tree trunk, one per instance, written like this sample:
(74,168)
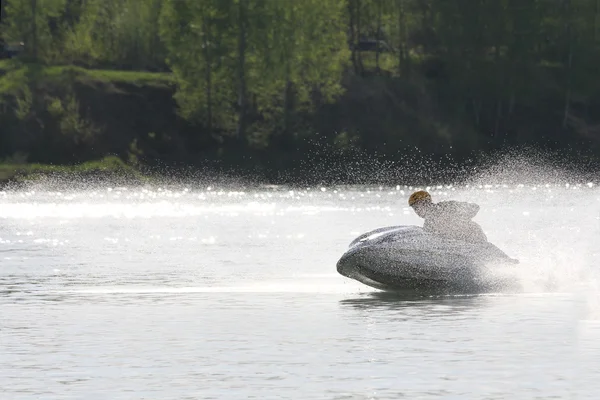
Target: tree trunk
(477,111)
(404,48)
(498,117)
(353,40)
(288,90)
(502,70)
(358,34)
(242,95)
(568,88)
(569,62)
(2,12)
(34,33)
(287,104)
(207,73)
(597,22)
(378,35)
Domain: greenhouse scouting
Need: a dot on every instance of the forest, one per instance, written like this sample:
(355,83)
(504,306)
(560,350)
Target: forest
(283,88)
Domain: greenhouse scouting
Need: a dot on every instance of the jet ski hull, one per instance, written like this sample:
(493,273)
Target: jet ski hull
(405,258)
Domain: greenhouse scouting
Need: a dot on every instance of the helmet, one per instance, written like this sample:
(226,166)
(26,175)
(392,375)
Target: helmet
(421,195)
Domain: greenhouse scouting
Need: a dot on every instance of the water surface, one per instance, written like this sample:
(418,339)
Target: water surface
(203,292)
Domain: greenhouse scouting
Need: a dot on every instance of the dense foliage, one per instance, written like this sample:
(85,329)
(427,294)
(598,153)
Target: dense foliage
(268,81)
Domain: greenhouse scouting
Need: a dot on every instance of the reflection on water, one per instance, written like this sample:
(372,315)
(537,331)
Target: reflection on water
(207,293)
(445,305)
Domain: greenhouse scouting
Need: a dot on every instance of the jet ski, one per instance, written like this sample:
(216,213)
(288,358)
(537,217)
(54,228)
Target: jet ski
(407,258)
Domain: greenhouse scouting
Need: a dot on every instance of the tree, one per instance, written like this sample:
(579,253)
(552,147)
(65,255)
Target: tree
(29,23)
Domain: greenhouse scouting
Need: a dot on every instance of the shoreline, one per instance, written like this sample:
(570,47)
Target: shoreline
(112,171)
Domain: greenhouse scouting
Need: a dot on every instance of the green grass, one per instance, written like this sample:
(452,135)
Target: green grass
(138,77)
(109,165)
(14,75)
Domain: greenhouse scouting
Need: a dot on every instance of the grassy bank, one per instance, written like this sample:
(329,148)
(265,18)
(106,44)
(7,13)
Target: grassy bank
(15,75)
(64,115)
(111,168)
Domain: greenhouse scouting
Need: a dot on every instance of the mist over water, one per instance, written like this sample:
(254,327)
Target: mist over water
(200,291)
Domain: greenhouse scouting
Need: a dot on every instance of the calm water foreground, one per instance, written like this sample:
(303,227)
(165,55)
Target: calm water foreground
(202,292)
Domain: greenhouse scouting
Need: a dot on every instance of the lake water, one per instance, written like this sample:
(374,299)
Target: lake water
(214,293)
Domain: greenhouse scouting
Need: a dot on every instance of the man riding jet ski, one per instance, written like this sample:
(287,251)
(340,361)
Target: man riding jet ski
(450,252)
(447,218)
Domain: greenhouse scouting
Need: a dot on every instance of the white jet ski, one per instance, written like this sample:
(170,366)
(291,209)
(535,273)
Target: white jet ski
(406,258)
